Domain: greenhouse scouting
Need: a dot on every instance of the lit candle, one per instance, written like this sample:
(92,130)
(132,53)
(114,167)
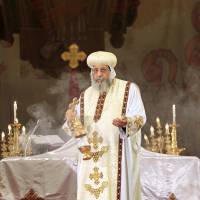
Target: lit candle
(174,113)
(152,131)
(9,129)
(2,136)
(146,139)
(23,130)
(158,122)
(15,110)
(167,128)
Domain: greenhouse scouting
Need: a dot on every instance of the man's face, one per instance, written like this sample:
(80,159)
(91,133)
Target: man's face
(100,73)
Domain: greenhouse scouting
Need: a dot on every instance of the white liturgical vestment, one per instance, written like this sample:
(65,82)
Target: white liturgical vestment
(112,173)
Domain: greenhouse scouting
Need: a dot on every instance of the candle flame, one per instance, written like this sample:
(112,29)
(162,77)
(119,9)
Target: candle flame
(2,135)
(9,127)
(145,137)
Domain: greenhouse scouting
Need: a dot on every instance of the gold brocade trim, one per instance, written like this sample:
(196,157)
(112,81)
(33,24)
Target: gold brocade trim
(82,107)
(95,140)
(99,107)
(119,169)
(138,122)
(96,175)
(96,155)
(96,191)
(135,122)
(126,93)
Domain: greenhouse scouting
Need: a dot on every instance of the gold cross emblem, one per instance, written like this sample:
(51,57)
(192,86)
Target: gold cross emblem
(96,175)
(95,140)
(73,56)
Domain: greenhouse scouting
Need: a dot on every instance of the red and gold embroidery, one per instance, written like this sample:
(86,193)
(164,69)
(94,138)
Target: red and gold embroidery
(82,108)
(126,93)
(99,107)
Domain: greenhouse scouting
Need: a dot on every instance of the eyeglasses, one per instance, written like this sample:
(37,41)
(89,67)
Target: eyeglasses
(102,70)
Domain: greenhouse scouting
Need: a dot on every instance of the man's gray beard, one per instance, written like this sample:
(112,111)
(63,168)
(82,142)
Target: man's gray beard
(103,86)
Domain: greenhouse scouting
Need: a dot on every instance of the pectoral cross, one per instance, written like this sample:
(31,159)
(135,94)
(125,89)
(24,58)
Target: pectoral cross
(73,55)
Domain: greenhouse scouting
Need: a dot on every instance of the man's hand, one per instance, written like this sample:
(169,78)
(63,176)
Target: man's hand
(69,115)
(120,122)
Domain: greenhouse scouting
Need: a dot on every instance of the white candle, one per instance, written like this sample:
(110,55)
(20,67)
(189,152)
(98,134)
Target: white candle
(9,129)
(15,110)
(174,113)
(158,121)
(152,131)
(23,130)
(2,136)
(167,128)
(146,139)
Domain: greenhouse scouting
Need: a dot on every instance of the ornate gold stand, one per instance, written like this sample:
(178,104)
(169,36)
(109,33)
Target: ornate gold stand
(10,145)
(174,150)
(164,143)
(10,142)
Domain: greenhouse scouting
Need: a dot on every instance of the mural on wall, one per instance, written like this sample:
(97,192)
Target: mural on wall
(180,84)
(152,66)
(192,55)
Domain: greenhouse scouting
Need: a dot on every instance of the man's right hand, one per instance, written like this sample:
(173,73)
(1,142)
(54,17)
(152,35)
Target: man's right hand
(70,115)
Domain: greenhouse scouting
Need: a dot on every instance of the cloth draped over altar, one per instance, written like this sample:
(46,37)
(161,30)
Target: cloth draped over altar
(52,175)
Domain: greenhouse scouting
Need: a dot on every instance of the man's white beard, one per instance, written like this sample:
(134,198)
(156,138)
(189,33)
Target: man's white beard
(102,86)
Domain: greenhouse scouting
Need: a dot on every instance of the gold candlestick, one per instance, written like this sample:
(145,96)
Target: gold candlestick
(167,147)
(10,145)
(160,137)
(153,140)
(147,143)
(16,133)
(3,146)
(4,149)
(174,147)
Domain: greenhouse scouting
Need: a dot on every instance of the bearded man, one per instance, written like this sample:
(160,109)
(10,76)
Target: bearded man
(112,114)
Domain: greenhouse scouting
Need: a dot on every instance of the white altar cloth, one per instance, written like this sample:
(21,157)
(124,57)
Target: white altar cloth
(53,175)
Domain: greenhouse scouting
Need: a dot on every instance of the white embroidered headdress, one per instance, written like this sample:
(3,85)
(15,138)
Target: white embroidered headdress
(104,58)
